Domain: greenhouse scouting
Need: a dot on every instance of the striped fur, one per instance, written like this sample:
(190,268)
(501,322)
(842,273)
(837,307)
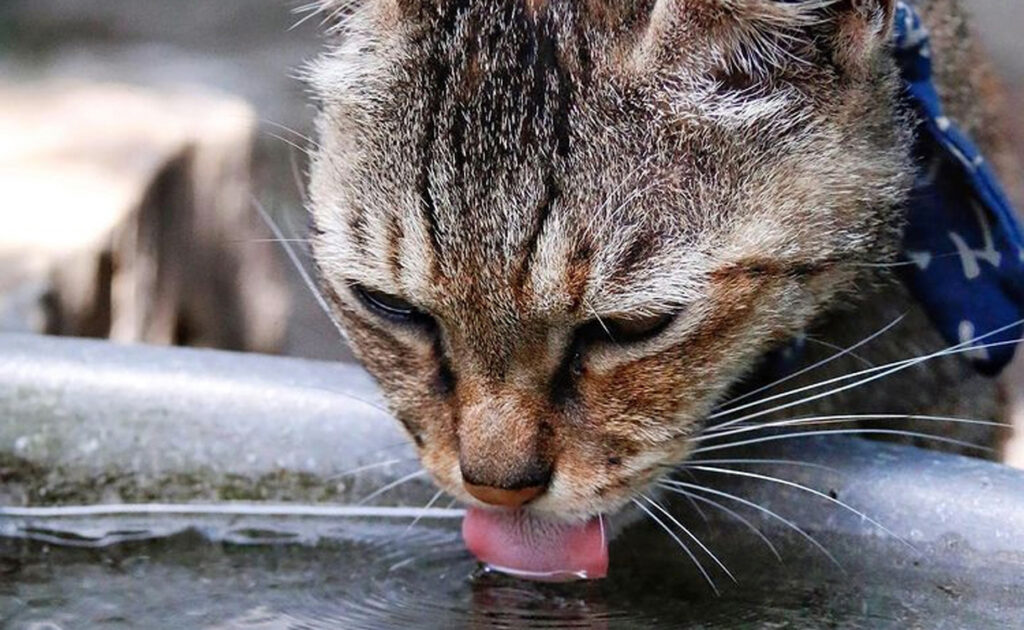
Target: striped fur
(517,168)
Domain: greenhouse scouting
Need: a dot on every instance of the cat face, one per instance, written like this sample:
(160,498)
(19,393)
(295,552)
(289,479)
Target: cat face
(557,232)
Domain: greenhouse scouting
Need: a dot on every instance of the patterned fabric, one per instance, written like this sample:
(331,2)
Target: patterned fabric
(963,245)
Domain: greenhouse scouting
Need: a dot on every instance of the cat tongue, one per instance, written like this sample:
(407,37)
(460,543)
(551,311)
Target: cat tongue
(516,543)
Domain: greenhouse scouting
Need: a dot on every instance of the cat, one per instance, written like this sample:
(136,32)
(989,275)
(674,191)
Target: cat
(562,234)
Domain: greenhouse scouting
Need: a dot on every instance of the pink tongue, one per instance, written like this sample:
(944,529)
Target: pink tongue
(518,544)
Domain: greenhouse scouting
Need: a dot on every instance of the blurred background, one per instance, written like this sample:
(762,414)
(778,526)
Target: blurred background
(137,138)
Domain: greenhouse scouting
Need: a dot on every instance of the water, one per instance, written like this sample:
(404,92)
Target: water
(273,574)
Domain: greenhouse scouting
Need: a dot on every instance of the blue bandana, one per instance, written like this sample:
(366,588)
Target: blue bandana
(963,245)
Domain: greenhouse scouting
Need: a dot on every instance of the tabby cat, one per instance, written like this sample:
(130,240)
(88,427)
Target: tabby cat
(561,233)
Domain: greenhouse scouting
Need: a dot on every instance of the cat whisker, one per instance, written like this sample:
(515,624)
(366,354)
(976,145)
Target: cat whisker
(832,346)
(886,370)
(298,134)
(687,531)
(309,6)
(966,346)
(391,486)
(878,373)
(367,467)
(291,143)
(693,504)
(300,181)
(808,434)
(393,446)
(767,462)
(306,278)
(600,321)
(711,432)
(675,486)
(419,517)
(889,265)
(273,240)
(346,396)
(690,496)
(336,16)
(809,490)
(822,363)
(679,541)
(311,10)
(903,263)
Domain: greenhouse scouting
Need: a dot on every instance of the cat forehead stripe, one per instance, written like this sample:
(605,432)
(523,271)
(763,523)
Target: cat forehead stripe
(535,93)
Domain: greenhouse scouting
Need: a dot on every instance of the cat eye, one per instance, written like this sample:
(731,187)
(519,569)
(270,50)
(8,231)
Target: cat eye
(626,329)
(604,330)
(641,328)
(390,307)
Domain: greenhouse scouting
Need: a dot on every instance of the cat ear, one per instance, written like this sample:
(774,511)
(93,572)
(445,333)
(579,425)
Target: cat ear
(335,15)
(862,27)
(329,14)
(763,32)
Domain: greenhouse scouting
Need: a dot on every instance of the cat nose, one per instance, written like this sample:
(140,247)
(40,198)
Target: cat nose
(501,497)
(511,493)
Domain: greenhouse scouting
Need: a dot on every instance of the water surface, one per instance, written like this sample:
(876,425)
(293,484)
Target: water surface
(372,573)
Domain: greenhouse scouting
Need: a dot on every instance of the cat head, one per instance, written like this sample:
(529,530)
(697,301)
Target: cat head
(557,231)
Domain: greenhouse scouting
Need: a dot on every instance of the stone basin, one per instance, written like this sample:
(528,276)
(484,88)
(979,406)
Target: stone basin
(150,488)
